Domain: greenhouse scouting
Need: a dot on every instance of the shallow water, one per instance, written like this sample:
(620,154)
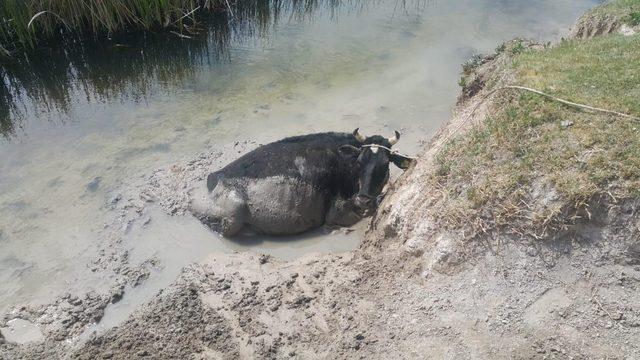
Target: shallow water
(74,134)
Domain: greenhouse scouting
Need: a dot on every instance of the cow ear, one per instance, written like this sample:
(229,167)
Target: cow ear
(400,161)
(349,150)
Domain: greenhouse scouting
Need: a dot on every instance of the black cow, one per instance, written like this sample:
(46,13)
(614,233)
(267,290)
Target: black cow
(299,183)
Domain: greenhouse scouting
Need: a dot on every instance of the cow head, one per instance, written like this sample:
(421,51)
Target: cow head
(371,158)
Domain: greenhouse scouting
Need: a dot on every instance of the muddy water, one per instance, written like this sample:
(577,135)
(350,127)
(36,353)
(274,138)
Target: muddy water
(73,135)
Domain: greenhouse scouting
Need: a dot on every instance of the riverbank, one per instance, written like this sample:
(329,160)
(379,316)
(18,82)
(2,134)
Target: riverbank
(445,271)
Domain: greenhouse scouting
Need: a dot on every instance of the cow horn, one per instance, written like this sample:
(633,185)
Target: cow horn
(361,138)
(394,140)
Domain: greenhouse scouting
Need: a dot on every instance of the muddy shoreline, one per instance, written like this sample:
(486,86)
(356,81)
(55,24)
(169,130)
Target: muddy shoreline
(166,188)
(76,316)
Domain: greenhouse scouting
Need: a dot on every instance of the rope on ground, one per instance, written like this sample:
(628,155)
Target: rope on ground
(524,88)
(566,102)
(390,150)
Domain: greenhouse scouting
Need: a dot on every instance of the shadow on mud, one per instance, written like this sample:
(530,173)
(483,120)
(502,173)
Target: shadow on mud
(252,239)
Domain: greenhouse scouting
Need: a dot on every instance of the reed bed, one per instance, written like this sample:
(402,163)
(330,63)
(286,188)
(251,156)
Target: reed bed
(26,23)
(124,56)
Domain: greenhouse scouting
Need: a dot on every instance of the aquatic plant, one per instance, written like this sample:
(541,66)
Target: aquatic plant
(26,23)
(107,65)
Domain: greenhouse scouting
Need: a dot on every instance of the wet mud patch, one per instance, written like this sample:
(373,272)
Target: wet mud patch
(21,331)
(234,306)
(167,331)
(144,248)
(123,269)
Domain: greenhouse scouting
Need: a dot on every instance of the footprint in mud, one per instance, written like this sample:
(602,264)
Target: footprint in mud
(15,206)
(21,332)
(215,121)
(54,182)
(94,184)
(137,151)
(263,109)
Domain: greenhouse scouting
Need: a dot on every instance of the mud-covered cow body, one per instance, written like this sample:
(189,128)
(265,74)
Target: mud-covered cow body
(289,186)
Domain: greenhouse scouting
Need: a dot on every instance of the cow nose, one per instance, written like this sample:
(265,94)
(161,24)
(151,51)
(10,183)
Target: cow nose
(363,201)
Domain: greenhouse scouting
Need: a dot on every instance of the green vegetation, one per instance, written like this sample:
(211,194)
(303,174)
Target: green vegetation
(617,8)
(26,23)
(518,48)
(135,63)
(533,151)
(626,11)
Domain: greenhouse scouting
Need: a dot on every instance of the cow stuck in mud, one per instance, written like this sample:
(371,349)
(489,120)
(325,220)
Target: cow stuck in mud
(300,183)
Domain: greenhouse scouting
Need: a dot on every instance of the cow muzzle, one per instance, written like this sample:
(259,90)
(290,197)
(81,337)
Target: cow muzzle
(365,204)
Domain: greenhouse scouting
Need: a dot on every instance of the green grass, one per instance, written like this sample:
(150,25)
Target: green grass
(529,148)
(602,72)
(26,24)
(626,10)
(98,17)
(634,18)
(618,7)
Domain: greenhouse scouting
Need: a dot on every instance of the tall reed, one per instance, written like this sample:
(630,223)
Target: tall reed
(24,23)
(131,63)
